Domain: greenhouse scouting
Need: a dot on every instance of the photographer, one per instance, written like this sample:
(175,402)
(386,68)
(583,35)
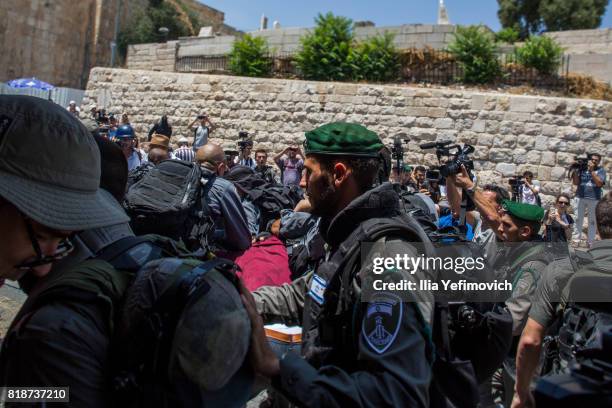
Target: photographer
(557,222)
(589,179)
(244,156)
(201,131)
(529,191)
(290,166)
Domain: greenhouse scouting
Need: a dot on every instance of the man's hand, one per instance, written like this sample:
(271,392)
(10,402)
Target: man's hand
(592,165)
(263,359)
(525,401)
(463,180)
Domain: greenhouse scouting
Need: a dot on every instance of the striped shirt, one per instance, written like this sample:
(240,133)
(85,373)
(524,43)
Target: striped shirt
(185,153)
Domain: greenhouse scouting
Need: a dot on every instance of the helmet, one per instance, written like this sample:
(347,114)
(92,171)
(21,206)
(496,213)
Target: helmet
(125,132)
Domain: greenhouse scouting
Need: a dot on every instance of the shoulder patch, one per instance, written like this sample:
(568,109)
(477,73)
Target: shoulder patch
(382,321)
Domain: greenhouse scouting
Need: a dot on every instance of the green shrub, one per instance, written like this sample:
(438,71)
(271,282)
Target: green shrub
(249,57)
(326,52)
(541,53)
(474,49)
(376,59)
(507,35)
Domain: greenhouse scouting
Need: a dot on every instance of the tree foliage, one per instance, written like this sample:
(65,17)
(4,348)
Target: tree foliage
(144,26)
(534,16)
(507,35)
(376,59)
(326,52)
(474,48)
(541,53)
(249,57)
(559,15)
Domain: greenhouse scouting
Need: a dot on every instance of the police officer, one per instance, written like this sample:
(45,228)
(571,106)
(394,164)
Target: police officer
(360,347)
(550,298)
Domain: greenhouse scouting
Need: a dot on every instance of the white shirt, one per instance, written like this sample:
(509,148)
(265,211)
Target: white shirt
(527,196)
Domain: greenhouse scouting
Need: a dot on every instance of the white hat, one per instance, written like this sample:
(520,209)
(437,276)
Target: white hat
(72,103)
(183,140)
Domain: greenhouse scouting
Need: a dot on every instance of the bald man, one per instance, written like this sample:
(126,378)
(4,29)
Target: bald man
(231,228)
(158,154)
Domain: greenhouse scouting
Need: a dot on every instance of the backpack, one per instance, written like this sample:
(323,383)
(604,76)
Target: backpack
(266,263)
(168,201)
(588,313)
(138,173)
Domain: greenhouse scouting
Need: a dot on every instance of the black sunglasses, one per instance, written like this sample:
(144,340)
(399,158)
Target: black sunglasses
(563,202)
(64,248)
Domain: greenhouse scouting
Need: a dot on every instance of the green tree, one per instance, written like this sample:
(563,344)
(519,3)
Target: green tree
(559,15)
(474,48)
(376,59)
(534,16)
(541,53)
(326,52)
(249,57)
(507,35)
(144,26)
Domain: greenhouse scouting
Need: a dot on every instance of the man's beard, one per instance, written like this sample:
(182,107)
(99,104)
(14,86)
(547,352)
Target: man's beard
(322,204)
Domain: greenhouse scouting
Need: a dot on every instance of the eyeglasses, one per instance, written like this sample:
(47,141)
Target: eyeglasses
(563,202)
(64,248)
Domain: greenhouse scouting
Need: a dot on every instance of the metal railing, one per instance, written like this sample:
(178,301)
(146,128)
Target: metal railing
(416,66)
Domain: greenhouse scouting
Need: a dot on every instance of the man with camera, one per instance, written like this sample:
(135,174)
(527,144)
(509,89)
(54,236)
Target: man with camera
(529,190)
(245,147)
(590,178)
(290,166)
(201,131)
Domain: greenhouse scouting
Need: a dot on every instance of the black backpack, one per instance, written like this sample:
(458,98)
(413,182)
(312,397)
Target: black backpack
(168,201)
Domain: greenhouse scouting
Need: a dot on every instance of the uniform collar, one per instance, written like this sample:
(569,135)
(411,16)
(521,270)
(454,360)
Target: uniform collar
(602,250)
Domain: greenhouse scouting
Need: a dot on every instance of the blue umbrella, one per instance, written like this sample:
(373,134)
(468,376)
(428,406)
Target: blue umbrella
(30,83)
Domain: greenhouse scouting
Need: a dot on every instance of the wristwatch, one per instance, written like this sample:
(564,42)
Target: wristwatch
(470,191)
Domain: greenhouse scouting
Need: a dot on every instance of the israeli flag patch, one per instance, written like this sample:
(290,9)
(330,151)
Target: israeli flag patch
(317,289)
(382,321)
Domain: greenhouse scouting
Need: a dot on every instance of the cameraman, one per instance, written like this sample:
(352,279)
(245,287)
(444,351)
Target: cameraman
(589,182)
(290,166)
(244,157)
(530,190)
(201,131)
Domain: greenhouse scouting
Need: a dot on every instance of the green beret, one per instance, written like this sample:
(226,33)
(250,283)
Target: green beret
(340,138)
(527,212)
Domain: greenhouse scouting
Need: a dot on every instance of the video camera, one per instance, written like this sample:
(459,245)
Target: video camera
(580,165)
(244,141)
(397,152)
(458,157)
(433,174)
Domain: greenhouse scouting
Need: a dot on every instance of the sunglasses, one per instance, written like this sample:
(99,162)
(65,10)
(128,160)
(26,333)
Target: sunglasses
(563,202)
(64,248)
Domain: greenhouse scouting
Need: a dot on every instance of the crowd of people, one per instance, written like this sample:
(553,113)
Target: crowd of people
(151,270)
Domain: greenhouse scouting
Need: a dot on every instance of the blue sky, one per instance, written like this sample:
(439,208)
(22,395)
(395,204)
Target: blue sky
(245,14)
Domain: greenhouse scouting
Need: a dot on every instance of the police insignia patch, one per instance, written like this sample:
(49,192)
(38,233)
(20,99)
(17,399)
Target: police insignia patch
(382,320)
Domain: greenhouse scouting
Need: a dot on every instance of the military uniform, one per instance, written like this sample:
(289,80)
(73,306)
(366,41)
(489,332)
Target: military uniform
(357,350)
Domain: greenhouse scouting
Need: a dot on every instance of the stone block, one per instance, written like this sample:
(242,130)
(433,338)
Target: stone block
(523,104)
(443,123)
(558,174)
(548,158)
(479,126)
(506,169)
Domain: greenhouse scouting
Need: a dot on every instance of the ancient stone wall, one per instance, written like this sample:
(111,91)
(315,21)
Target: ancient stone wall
(47,39)
(153,57)
(511,133)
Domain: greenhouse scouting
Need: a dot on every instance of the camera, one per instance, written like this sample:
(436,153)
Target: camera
(459,156)
(200,117)
(433,174)
(580,165)
(244,141)
(397,150)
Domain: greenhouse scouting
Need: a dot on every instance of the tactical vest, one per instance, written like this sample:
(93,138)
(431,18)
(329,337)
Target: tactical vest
(331,324)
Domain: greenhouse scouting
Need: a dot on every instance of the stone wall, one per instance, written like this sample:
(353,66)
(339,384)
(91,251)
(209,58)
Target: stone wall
(152,57)
(511,133)
(584,41)
(46,39)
